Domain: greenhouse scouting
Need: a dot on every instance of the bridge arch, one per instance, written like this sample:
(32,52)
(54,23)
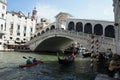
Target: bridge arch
(38,34)
(61,42)
(34,36)
(71,26)
(88,28)
(31,38)
(47,29)
(42,32)
(52,27)
(110,31)
(98,29)
(79,27)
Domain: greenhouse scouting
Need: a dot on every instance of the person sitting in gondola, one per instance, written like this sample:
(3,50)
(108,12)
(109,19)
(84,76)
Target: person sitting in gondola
(73,55)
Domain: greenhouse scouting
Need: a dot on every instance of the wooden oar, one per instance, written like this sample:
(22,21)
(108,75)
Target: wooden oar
(30,57)
(24,57)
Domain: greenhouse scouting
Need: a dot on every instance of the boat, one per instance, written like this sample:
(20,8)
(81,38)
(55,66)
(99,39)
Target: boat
(66,60)
(30,65)
(87,54)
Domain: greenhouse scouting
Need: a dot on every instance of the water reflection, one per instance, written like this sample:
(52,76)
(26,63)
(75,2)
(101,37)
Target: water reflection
(49,70)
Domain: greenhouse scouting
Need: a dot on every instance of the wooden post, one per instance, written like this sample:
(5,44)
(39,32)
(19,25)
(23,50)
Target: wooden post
(92,50)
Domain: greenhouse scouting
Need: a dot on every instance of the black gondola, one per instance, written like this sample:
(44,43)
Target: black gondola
(68,60)
(86,54)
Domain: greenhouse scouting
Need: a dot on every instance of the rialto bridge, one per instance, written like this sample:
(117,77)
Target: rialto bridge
(67,29)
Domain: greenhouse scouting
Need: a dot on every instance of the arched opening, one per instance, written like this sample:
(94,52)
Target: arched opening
(52,27)
(88,28)
(79,27)
(98,29)
(110,31)
(42,32)
(38,34)
(34,35)
(31,38)
(18,39)
(47,29)
(71,26)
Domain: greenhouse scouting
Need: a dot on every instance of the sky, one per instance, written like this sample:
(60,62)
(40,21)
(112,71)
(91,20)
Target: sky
(82,9)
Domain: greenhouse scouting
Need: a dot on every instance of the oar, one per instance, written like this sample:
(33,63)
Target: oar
(24,57)
(30,57)
(57,54)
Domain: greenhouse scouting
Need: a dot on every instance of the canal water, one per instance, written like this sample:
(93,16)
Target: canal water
(49,70)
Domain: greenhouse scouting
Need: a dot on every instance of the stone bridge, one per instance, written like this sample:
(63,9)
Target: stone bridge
(59,39)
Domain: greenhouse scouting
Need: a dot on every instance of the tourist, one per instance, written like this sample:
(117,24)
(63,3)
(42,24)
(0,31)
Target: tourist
(73,55)
(114,66)
(109,54)
(34,60)
(28,61)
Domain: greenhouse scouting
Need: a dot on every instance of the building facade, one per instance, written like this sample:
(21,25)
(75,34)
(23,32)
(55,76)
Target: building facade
(15,27)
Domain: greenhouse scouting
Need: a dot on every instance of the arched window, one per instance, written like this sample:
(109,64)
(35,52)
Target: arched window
(79,27)
(34,35)
(47,29)
(31,38)
(38,34)
(71,26)
(110,31)
(52,27)
(98,29)
(18,39)
(88,28)
(42,32)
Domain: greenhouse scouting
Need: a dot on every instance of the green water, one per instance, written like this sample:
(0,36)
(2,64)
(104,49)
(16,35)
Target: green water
(49,70)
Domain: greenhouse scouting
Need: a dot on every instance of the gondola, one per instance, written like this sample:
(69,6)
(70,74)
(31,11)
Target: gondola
(86,55)
(67,60)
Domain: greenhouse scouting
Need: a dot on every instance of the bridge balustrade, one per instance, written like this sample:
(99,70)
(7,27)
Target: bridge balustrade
(73,35)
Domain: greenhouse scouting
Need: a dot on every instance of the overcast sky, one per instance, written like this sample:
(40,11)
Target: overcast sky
(83,9)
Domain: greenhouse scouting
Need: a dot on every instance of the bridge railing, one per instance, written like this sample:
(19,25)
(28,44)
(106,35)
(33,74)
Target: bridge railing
(60,32)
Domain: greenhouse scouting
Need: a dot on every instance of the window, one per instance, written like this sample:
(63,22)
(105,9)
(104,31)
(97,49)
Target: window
(17,38)
(24,34)
(18,34)
(3,7)
(11,26)
(31,29)
(1,26)
(12,14)
(5,27)
(2,15)
(24,28)
(11,38)
(18,28)
(11,29)
(11,32)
